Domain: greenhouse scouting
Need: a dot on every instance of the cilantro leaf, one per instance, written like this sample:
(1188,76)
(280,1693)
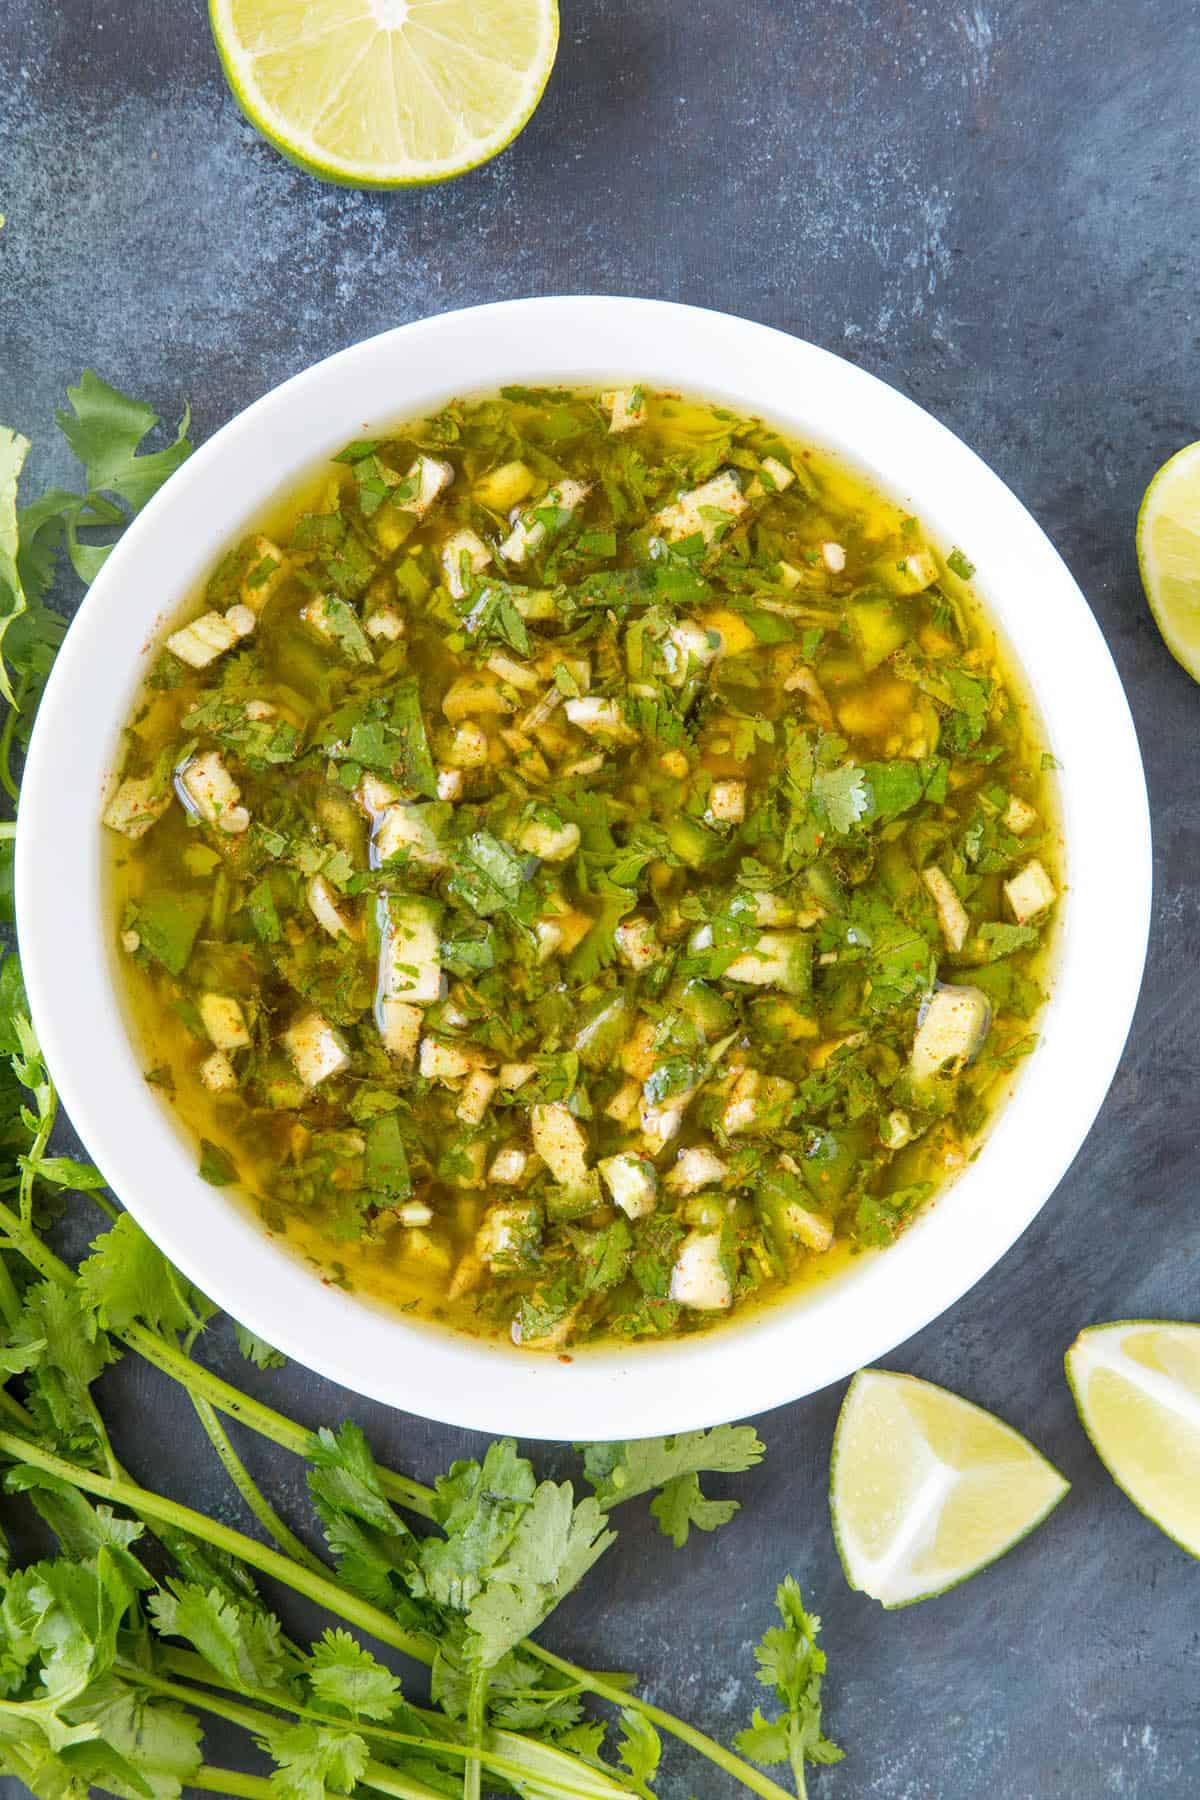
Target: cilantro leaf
(66,1354)
(621,1471)
(640,1747)
(150,1746)
(106,428)
(841,797)
(312,1761)
(414,756)
(681,1504)
(488,875)
(371,1543)
(240,1639)
(81,1528)
(168,925)
(553,1547)
(344,1675)
(217,1167)
(478,1506)
(790,1663)
(1002,940)
(127,1278)
(257,1351)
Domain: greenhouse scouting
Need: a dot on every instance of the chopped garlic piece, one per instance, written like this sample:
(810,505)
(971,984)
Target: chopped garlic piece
(323,906)
(477,1092)
(626,408)
(1030,893)
(599,718)
(529,533)
(400,1027)
(691,512)
(509,1165)
(201,642)
(209,791)
(218,1073)
(560,1142)
(136,806)
(699,1279)
(316,1049)
(223,1019)
(1019,816)
(631,1181)
(464,554)
(695,1168)
(952,914)
(428,477)
(726,803)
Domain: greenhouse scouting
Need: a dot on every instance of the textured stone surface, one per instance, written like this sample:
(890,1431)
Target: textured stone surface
(992,205)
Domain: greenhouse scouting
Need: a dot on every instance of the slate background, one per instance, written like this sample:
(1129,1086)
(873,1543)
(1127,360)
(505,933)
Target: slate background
(994,207)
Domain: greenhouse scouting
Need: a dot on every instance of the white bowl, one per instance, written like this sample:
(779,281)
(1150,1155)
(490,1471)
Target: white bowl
(66,935)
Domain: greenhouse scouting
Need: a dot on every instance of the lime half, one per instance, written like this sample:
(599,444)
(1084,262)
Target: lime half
(1137,1387)
(926,1489)
(387,93)
(1168,547)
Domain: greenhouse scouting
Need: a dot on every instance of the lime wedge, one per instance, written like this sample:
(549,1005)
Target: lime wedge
(926,1489)
(387,93)
(1137,1387)
(1168,547)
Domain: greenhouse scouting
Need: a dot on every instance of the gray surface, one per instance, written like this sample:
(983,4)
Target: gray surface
(993,206)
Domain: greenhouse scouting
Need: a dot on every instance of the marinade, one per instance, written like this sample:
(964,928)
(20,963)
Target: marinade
(583,867)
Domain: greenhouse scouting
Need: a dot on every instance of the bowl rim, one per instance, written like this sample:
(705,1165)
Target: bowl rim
(778,1354)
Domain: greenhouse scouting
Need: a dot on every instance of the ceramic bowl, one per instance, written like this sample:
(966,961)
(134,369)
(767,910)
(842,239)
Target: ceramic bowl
(793,1348)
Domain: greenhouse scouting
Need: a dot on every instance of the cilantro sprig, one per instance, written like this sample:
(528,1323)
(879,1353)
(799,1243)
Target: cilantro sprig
(790,1664)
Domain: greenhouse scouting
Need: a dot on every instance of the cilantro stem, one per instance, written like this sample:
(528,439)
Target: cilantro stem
(231,1782)
(476,1716)
(268,1423)
(7,778)
(149,1505)
(250,1491)
(716,1753)
(172,1361)
(16,1412)
(252,1720)
(10,1304)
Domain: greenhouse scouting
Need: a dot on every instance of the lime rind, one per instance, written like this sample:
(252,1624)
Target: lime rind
(280,132)
(1120,1476)
(935,1487)
(1168,550)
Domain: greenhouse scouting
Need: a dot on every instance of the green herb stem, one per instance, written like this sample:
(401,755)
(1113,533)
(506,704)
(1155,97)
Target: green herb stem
(232,1783)
(10,1303)
(716,1753)
(258,1723)
(251,1493)
(171,1360)
(263,1419)
(149,1505)
(476,1717)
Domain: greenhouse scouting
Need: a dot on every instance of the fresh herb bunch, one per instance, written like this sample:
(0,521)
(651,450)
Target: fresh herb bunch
(148,1620)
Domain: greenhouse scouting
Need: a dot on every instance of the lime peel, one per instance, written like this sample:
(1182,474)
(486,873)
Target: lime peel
(387,93)
(926,1488)
(1136,1384)
(1168,547)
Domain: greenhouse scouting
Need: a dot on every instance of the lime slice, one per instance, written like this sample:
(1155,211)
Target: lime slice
(1168,547)
(1137,1387)
(926,1489)
(387,93)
